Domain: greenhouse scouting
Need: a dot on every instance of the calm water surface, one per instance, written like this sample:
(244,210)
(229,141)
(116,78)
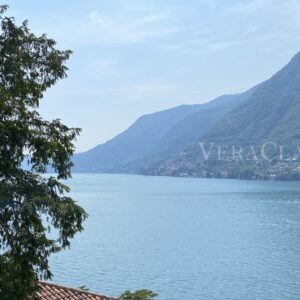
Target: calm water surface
(185,238)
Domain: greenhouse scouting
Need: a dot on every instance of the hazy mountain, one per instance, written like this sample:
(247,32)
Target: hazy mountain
(132,144)
(191,129)
(267,112)
(270,114)
(155,136)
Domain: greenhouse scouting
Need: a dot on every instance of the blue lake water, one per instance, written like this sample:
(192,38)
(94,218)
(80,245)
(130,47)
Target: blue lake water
(185,238)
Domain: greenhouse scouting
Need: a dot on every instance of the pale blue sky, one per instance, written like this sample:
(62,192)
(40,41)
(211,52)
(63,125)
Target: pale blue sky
(133,57)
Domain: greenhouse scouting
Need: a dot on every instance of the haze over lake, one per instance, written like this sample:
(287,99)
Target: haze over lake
(185,237)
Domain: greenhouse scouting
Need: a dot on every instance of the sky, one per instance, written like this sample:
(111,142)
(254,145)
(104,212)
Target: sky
(134,57)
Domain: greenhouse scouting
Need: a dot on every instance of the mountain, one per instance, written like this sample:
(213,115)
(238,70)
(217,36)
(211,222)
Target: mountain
(270,114)
(166,142)
(133,143)
(191,129)
(156,136)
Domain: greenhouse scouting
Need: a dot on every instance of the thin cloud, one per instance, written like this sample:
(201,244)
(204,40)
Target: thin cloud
(103,22)
(153,18)
(151,88)
(143,89)
(100,67)
(210,3)
(249,7)
(131,30)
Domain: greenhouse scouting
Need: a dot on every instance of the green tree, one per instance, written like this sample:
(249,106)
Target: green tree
(31,205)
(138,295)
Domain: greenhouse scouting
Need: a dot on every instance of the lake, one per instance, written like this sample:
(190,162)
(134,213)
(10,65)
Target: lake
(185,238)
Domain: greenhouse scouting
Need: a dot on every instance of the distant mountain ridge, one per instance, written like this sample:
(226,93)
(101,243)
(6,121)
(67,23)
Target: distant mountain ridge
(270,115)
(166,142)
(133,143)
(156,136)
